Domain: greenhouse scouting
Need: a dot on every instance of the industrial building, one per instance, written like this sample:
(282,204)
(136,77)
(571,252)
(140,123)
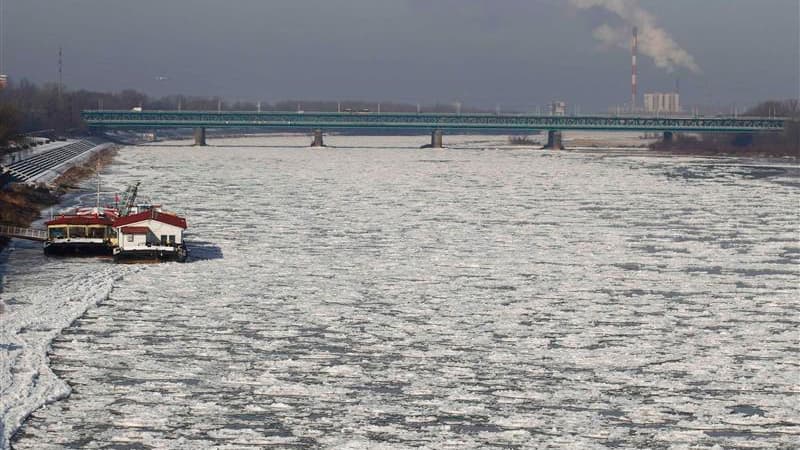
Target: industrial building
(558,109)
(663,103)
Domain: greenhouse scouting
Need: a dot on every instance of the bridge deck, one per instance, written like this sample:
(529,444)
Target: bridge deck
(30,234)
(310,120)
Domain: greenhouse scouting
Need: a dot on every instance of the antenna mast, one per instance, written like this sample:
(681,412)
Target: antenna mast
(97,171)
(60,73)
(3,76)
(634,68)
(2,35)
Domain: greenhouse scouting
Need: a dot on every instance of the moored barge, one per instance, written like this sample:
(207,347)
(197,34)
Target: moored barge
(135,233)
(150,235)
(87,232)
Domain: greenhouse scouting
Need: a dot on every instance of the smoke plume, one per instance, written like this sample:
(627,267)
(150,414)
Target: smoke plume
(654,41)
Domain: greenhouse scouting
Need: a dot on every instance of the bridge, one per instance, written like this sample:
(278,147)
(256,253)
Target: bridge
(436,123)
(31,234)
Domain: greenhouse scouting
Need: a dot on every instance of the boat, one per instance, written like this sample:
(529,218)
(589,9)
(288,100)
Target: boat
(86,232)
(150,234)
(128,232)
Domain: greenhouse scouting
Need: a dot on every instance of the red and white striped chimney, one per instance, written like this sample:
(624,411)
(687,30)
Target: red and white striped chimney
(634,68)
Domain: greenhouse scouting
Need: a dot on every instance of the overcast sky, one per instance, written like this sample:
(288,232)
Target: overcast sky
(516,53)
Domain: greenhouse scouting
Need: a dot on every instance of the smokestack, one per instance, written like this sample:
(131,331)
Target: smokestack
(634,68)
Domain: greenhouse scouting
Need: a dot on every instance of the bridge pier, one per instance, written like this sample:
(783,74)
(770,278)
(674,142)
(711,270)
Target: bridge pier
(437,140)
(200,137)
(792,130)
(554,140)
(318,140)
(669,136)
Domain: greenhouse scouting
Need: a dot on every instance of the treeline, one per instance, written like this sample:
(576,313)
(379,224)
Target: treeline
(768,144)
(9,123)
(26,107)
(776,108)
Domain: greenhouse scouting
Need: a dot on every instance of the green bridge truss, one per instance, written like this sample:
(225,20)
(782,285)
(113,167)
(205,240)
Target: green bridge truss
(425,121)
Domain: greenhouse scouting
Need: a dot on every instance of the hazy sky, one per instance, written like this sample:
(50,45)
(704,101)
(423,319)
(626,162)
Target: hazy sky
(516,53)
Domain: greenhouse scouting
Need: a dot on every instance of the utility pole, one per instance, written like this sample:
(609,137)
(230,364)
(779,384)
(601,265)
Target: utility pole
(60,74)
(634,68)
(2,43)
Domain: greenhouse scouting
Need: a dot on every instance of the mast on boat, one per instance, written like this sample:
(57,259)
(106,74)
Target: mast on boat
(97,200)
(128,199)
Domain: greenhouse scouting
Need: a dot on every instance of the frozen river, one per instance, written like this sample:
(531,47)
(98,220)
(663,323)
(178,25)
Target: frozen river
(379,296)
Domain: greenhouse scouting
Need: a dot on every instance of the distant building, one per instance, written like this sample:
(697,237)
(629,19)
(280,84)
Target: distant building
(558,109)
(666,103)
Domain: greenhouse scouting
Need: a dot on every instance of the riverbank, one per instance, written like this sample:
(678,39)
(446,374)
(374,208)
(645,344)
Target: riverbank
(750,151)
(21,204)
(726,144)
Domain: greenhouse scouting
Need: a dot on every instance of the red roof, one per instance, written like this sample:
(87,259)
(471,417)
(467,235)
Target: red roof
(135,230)
(79,220)
(111,213)
(152,214)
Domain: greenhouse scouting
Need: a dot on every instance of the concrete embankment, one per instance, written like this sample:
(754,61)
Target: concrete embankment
(21,201)
(46,165)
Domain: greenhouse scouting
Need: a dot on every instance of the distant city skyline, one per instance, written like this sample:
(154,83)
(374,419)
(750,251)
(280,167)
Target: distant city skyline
(517,54)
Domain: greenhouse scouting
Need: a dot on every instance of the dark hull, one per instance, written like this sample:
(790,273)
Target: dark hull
(77,249)
(179,255)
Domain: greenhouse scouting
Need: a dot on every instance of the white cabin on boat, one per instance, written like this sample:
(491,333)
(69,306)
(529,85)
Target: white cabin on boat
(150,230)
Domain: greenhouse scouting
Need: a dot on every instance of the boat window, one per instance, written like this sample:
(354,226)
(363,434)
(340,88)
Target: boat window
(172,239)
(130,238)
(77,232)
(164,239)
(97,233)
(58,233)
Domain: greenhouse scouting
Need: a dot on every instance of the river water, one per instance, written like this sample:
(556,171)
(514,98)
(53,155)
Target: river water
(374,295)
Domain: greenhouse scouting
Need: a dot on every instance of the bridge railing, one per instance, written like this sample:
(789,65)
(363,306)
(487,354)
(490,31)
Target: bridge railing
(23,233)
(172,119)
(116,112)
